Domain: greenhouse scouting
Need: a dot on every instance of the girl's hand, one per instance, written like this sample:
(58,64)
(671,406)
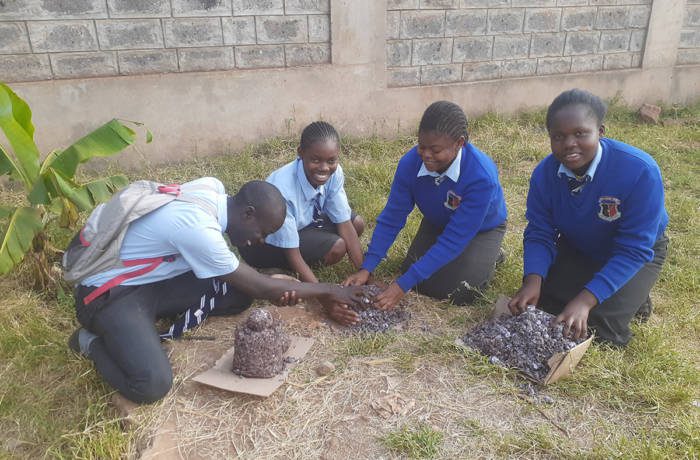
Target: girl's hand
(528,294)
(575,315)
(388,298)
(357,279)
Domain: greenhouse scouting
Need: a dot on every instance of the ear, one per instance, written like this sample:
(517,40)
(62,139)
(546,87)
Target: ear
(461,141)
(299,151)
(249,212)
(601,130)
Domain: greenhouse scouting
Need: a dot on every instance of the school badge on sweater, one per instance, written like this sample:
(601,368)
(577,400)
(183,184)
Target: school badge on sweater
(452,201)
(609,208)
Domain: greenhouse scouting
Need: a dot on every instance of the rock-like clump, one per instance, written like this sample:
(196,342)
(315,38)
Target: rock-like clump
(260,345)
(524,342)
(373,320)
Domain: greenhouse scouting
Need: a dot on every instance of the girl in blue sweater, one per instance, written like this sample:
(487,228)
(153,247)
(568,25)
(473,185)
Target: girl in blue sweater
(456,188)
(595,242)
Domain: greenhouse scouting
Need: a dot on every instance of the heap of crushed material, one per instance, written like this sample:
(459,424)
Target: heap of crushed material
(373,320)
(260,345)
(524,342)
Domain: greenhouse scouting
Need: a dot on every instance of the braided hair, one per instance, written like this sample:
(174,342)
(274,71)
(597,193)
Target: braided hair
(446,118)
(595,105)
(318,131)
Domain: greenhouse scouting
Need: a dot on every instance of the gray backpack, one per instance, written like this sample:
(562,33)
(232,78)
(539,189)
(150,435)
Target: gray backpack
(96,247)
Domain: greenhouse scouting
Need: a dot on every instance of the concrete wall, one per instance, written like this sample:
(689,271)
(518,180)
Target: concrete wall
(219,111)
(689,52)
(45,39)
(445,41)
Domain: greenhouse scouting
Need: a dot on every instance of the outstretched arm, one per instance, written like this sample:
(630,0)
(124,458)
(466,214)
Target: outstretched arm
(259,286)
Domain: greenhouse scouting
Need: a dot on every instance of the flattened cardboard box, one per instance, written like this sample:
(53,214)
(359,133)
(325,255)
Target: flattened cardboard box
(560,364)
(221,376)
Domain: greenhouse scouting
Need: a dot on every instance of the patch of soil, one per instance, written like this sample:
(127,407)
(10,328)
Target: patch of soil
(524,342)
(260,345)
(373,320)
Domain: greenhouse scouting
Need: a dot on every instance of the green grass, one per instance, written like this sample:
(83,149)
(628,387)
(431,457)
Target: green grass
(417,442)
(52,404)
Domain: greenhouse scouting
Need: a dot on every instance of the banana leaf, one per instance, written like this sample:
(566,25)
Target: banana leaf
(24,225)
(101,190)
(108,139)
(22,142)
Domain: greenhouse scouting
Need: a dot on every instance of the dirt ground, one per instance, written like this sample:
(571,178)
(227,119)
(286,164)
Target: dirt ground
(346,413)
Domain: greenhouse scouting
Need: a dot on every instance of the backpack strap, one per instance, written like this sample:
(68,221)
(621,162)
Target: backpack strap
(153,263)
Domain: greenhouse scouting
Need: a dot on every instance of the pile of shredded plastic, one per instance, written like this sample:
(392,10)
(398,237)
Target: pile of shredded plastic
(524,342)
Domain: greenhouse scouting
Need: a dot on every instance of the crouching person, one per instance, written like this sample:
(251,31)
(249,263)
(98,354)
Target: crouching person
(175,262)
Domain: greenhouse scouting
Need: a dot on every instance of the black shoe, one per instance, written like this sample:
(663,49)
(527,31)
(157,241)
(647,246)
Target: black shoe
(501,257)
(74,343)
(644,312)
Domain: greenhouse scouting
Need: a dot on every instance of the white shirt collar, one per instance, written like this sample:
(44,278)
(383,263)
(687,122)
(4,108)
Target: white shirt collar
(564,171)
(452,172)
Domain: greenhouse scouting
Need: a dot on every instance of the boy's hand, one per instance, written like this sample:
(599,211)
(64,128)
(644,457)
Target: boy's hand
(389,297)
(528,294)
(341,314)
(357,279)
(344,295)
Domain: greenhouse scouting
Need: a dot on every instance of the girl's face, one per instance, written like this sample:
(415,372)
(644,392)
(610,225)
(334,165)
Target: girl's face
(320,161)
(574,134)
(438,150)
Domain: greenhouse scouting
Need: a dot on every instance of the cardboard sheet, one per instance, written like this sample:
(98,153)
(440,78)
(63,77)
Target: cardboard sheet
(560,364)
(221,376)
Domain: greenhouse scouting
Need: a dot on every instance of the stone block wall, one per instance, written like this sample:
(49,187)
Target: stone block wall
(689,47)
(54,39)
(446,41)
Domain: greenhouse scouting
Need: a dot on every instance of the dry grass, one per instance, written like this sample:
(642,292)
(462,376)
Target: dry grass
(407,394)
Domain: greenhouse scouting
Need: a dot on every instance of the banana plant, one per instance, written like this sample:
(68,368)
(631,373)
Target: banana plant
(51,190)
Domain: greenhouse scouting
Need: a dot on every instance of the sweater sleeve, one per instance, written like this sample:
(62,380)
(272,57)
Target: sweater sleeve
(459,231)
(642,212)
(539,247)
(392,218)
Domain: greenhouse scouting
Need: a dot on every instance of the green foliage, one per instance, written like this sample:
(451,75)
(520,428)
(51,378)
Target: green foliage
(366,344)
(50,189)
(419,442)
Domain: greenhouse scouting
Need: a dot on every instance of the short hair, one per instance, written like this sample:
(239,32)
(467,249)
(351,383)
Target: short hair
(318,131)
(595,105)
(446,118)
(261,195)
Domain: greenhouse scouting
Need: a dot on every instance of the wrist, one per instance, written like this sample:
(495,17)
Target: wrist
(532,280)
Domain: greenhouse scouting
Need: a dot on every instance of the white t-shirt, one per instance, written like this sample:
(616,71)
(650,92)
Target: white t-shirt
(182,229)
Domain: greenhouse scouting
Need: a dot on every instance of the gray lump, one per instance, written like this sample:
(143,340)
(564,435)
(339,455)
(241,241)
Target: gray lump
(260,345)
(524,342)
(373,320)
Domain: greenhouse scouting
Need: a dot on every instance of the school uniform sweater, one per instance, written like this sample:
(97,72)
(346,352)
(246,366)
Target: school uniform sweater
(615,218)
(473,203)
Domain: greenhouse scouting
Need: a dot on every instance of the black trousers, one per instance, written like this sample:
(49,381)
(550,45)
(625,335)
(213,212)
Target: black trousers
(315,241)
(611,319)
(464,277)
(128,352)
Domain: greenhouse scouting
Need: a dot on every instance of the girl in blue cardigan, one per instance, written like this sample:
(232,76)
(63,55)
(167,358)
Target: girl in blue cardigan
(595,242)
(456,188)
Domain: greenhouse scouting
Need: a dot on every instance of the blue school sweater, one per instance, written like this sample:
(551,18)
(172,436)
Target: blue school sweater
(616,218)
(477,199)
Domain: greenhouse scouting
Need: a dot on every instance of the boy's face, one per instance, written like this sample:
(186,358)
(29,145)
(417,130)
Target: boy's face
(320,161)
(438,150)
(574,136)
